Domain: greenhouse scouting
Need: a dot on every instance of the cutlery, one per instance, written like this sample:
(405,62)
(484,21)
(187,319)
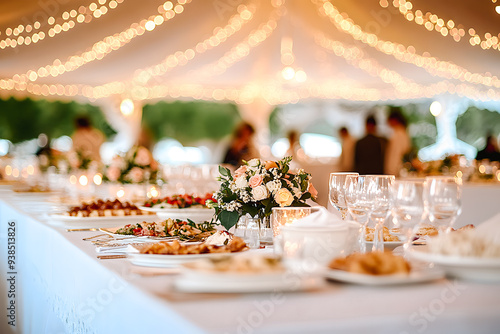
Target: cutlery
(109,257)
(81,229)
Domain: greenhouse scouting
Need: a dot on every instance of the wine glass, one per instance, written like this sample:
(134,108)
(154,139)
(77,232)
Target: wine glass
(442,201)
(408,207)
(359,200)
(380,188)
(336,193)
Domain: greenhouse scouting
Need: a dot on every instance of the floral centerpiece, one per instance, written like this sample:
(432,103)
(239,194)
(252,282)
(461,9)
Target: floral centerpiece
(136,166)
(258,186)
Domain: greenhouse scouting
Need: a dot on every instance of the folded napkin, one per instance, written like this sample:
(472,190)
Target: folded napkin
(490,229)
(321,218)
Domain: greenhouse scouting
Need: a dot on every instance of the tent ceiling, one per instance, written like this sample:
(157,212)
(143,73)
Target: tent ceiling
(258,73)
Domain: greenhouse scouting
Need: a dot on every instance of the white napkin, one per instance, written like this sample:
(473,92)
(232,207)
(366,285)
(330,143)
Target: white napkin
(321,218)
(490,229)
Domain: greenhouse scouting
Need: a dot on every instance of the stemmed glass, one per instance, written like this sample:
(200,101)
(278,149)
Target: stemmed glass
(359,199)
(381,206)
(336,192)
(442,201)
(408,207)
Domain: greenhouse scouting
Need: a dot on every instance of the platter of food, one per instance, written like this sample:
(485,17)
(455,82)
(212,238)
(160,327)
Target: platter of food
(99,214)
(379,268)
(169,228)
(240,274)
(181,207)
(172,254)
(462,254)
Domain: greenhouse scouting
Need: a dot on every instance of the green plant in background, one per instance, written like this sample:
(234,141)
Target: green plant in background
(475,124)
(189,122)
(22,120)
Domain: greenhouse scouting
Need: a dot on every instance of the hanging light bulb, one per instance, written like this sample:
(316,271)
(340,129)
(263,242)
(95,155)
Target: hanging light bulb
(127,107)
(435,108)
(288,73)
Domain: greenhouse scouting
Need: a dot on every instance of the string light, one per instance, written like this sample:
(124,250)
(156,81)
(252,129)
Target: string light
(402,53)
(181,58)
(98,51)
(31,34)
(242,49)
(433,22)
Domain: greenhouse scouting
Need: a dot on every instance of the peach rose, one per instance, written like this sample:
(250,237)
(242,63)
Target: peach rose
(255,181)
(113,173)
(142,156)
(136,174)
(312,190)
(283,197)
(270,164)
(240,171)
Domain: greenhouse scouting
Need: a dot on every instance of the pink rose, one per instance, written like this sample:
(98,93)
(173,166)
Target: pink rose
(255,181)
(73,160)
(312,190)
(136,175)
(118,162)
(240,171)
(142,156)
(113,173)
(283,197)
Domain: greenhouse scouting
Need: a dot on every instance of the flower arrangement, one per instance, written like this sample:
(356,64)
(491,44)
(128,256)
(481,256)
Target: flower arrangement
(79,161)
(256,187)
(136,166)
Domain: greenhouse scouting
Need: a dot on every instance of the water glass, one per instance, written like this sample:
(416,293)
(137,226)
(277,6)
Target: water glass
(336,194)
(442,201)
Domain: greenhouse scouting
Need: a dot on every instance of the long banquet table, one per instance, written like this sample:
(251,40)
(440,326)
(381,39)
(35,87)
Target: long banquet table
(61,287)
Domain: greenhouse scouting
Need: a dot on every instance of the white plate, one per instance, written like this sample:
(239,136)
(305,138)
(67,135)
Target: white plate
(168,261)
(416,276)
(469,268)
(97,222)
(112,232)
(198,215)
(388,245)
(214,282)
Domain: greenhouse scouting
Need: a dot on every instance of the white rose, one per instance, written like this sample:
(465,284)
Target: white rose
(259,193)
(253,163)
(241,182)
(273,186)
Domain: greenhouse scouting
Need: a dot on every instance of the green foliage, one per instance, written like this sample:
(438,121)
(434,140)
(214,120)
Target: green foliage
(475,124)
(189,122)
(22,120)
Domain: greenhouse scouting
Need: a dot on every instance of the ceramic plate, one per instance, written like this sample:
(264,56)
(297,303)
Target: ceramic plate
(469,268)
(198,215)
(418,275)
(97,222)
(220,282)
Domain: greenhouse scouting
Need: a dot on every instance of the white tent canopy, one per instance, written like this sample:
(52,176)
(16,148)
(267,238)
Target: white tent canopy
(255,52)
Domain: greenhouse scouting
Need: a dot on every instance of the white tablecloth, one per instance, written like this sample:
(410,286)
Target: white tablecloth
(62,288)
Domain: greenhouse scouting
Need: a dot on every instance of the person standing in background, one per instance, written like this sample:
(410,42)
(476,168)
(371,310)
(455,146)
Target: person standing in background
(346,160)
(490,151)
(369,151)
(398,145)
(87,140)
(242,147)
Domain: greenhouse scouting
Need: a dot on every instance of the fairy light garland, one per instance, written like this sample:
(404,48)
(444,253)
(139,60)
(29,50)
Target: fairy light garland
(31,34)
(274,93)
(402,53)
(181,58)
(100,49)
(433,22)
(242,49)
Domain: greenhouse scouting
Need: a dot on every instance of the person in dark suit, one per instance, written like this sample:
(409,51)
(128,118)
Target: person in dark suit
(369,151)
(490,151)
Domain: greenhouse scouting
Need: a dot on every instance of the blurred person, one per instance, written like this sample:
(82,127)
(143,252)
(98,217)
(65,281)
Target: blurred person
(87,140)
(490,151)
(295,150)
(242,147)
(346,161)
(145,144)
(369,150)
(399,143)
